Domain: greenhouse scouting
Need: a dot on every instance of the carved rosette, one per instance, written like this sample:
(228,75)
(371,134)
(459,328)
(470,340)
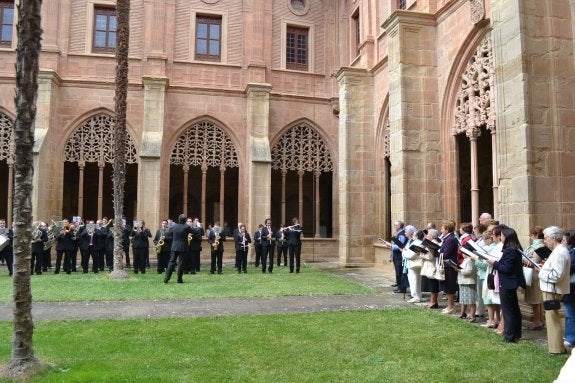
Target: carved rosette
(303,150)
(475,105)
(204,144)
(477,10)
(93,142)
(6,138)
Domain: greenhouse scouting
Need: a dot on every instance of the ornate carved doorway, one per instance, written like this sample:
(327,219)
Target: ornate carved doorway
(302,181)
(6,167)
(88,158)
(204,175)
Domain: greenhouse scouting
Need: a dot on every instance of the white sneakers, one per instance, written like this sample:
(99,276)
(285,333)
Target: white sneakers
(414,300)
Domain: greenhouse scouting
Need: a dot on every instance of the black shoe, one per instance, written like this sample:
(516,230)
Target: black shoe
(291,271)
(180,281)
(398,291)
(211,271)
(297,271)
(165,280)
(245,271)
(219,272)
(394,285)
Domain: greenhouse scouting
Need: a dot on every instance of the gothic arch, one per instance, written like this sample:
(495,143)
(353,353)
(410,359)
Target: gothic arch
(331,146)
(302,167)
(204,163)
(469,108)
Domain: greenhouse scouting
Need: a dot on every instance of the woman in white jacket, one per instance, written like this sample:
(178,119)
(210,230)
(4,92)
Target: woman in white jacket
(554,283)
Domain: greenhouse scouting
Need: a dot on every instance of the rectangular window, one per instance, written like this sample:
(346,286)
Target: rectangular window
(6,23)
(104,30)
(356,29)
(208,38)
(297,48)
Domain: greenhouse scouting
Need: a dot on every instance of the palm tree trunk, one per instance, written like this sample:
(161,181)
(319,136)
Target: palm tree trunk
(120,133)
(23,360)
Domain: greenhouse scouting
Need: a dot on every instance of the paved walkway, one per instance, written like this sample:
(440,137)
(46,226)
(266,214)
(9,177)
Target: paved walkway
(379,279)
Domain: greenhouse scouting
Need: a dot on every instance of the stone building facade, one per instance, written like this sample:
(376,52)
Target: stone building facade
(346,113)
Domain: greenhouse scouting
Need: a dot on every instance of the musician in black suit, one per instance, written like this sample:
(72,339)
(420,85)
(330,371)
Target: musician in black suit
(238,256)
(65,248)
(196,244)
(282,245)
(217,250)
(39,237)
(179,236)
(99,241)
(87,243)
(140,247)
(7,253)
(294,245)
(242,240)
(258,244)
(126,240)
(268,246)
(163,254)
(108,247)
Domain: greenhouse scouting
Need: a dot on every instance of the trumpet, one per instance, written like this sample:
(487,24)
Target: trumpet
(189,239)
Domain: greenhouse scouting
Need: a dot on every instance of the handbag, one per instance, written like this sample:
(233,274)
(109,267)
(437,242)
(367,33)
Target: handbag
(440,269)
(491,281)
(552,304)
(415,264)
(428,269)
(528,274)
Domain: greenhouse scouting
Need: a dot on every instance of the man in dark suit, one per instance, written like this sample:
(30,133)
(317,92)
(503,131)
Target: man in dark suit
(87,241)
(65,248)
(163,253)
(196,244)
(179,250)
(140,247)
(282,245)
(126,241)
(242,240)
(217,250)
(6,253)
(39,237)
(258,244)
(294,245)
(268,246)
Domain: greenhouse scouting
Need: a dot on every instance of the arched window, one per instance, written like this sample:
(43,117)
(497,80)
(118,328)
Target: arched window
(6,166)
(88,156)
(302,180)
(204,174)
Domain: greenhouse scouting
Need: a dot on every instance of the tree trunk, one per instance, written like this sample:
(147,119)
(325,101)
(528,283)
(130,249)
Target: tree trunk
(120,133)
(23,361)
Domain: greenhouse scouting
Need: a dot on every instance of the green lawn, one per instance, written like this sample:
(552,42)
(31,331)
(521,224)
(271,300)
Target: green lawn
(93,287)
(394,345)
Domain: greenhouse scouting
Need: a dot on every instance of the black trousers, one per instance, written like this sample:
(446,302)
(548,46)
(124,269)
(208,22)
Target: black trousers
(163,259)
(178,256)
(140,259)
(195,260)
(47,259)
(9,258)
(36,262)
(86,254)
(398,265)
(511,315)
(217,257)
(242,259)
(282,250)
(67,258)
(268,253)
(294,252)
(258,251)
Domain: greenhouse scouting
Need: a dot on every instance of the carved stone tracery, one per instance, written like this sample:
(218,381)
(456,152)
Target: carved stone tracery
(475,105)
(6,138)
(301,149)
(93,142)
(477,10)
(204,144)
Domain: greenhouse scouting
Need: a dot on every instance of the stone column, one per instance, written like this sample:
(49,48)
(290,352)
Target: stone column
(258,154)
(535,74)
(47,179)
(150,177)
(414,118)
(356,167)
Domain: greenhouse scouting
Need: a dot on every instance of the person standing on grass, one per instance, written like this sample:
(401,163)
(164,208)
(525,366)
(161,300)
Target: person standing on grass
(179,236)
(569,299)
(449,246)
(533,294)
(510,270)
(294,245)
(242,239)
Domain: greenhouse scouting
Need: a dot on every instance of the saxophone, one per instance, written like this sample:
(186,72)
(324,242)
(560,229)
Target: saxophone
(216,243)
(160,241)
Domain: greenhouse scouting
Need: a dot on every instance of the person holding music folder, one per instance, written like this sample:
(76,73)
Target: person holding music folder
(449,247)
(216,239)
(6,252)
(294,245)
(428,283)
(242,239)
(510,270)
(533,296)
(282,245)
(396,254)
(482,270)
(467,280)
(179,250)
(569,299)
(411,257)
(258,245)
(554,282)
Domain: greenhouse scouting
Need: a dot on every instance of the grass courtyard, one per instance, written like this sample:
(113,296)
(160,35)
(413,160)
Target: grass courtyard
(392,345)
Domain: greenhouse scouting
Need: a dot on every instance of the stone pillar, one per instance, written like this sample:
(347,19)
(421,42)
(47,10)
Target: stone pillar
(258,154)
(535,74)
(356,165)
(413,118)
(47,191)
(150,177)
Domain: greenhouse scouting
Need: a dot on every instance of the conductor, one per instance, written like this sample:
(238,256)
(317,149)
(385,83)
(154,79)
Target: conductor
(179,248)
